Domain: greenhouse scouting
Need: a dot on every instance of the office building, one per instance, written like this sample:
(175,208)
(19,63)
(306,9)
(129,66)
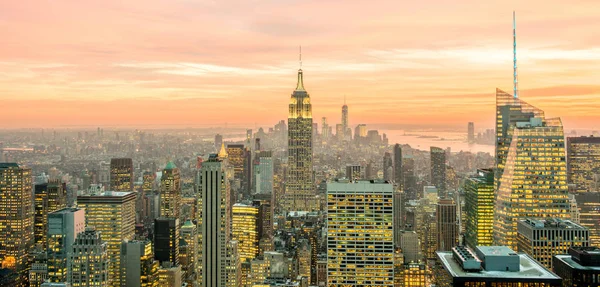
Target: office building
(447,225)
(580,267)
(491,266)
(410,179)
(479,209)
(583,163)
(352,242)
(353,172)
(166,240)
(438,168)
(398,171)
(140,268)
(48,197)
(588,204)
(303,256)
(63,227)
(16,218)
(542,239)
(263,173)
(121,174)
(532,179)
(245,230)
(169,275)
(233,265)
(413,274)
(214,197)
(471,132)
(218,142)
(170,191)
(409,243)
(345,123)
(89,261)
(188,251)
(399,214)
(112,213)
(388,167)
(299,187)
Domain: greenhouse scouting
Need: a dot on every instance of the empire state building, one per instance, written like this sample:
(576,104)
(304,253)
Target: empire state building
(299,188)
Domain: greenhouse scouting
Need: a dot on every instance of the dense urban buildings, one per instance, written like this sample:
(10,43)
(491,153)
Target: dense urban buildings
(532,181)
(299,187)
(542,239)
(583,159)
(138,261)
(580,267)
(89,261)
(360,252)
(479,209)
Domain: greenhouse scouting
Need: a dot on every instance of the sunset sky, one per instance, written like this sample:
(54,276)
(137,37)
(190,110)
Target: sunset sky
(203,62)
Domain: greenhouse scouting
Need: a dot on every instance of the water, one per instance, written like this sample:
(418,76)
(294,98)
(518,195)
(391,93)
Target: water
(423,140)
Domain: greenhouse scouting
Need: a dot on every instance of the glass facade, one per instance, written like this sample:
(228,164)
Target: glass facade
(479,209)
(245,230)
(583,159)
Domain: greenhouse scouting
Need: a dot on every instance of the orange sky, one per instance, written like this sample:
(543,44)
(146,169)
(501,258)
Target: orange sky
(209,62)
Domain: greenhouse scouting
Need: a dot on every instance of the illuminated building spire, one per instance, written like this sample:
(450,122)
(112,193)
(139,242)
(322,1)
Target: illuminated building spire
(300,85)
(515,81)
(223,152)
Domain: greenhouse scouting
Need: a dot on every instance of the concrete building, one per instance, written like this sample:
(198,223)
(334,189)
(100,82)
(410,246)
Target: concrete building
(89,261)
(140,268)
(542,239)
(580,267)
(352,241)
(583,163)
(121,174)
(438,169)
(170,191)
(447,225)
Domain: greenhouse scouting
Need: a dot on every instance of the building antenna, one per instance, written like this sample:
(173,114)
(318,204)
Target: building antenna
(515,81)
(300,56)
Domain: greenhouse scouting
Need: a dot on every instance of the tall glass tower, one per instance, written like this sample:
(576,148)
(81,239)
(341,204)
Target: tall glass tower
(531,172)
(299,187)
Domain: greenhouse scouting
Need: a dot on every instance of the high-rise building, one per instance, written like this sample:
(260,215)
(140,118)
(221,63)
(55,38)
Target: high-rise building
(49,197)
(583,163)
(188,256)
(410,180)
(345,124)
(479,209)
(414,274)
(299,188)
(218,142)
(112,213)
(89,261)
(16,218)
(263,173)
(170,191)
(542,239)
(304,258)
(409,243)
(531,162)
(166,240)
(491,266)
(588,204)
(447,225)
(169,275)
(354,172)
(214,197)
(121,174)
(63,227)
(137,259)
(388,167)
(438,168)
(398,171)
(580,267)
(353,241)
(471,133)
(245,230)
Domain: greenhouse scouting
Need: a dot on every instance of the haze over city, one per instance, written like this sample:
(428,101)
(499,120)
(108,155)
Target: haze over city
(206,63)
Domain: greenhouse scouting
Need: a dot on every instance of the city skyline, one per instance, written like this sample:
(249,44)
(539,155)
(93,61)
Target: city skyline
(160,63)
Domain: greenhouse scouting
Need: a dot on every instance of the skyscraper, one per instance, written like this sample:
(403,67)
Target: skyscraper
(214,192)
(170,191)
(16,217)
(471,133)
(345,124)
(89,261)
(589,216)
(360,252)
(49,197)
(299,188)
(354,172)
(410,180)
(245,230)
(141,270)
(121,174)
(398,172)
(218,142)
(63,227)
(388,167)
(438,168)
(166,240)
(447,226)
(531,168)
(237,156)
(263,173)
(112,213)
(583,159)
(479,209)
(188,256)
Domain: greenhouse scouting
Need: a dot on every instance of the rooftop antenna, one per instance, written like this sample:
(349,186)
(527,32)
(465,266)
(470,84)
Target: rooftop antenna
(515,81)
(300,56)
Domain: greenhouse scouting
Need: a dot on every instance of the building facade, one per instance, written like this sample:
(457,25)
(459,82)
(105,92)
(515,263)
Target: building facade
(580,267)
(170,191)
(245,230)
(121,174)
(479,209)
(63,227)
(89,261)
(438,168)
(447,225)
(583,159)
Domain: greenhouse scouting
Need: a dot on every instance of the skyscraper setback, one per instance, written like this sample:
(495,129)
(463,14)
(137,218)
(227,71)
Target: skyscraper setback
(299,188)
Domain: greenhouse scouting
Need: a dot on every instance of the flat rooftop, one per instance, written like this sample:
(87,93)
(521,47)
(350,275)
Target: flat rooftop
(567,259)
(495,250)
(530,269)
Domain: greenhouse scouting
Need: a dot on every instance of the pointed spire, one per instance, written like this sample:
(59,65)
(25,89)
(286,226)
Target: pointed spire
(223,152)
(300,85)
(515,81)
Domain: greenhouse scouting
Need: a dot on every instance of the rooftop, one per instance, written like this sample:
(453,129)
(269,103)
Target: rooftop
(495,250)
(529,268)
(550,223)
